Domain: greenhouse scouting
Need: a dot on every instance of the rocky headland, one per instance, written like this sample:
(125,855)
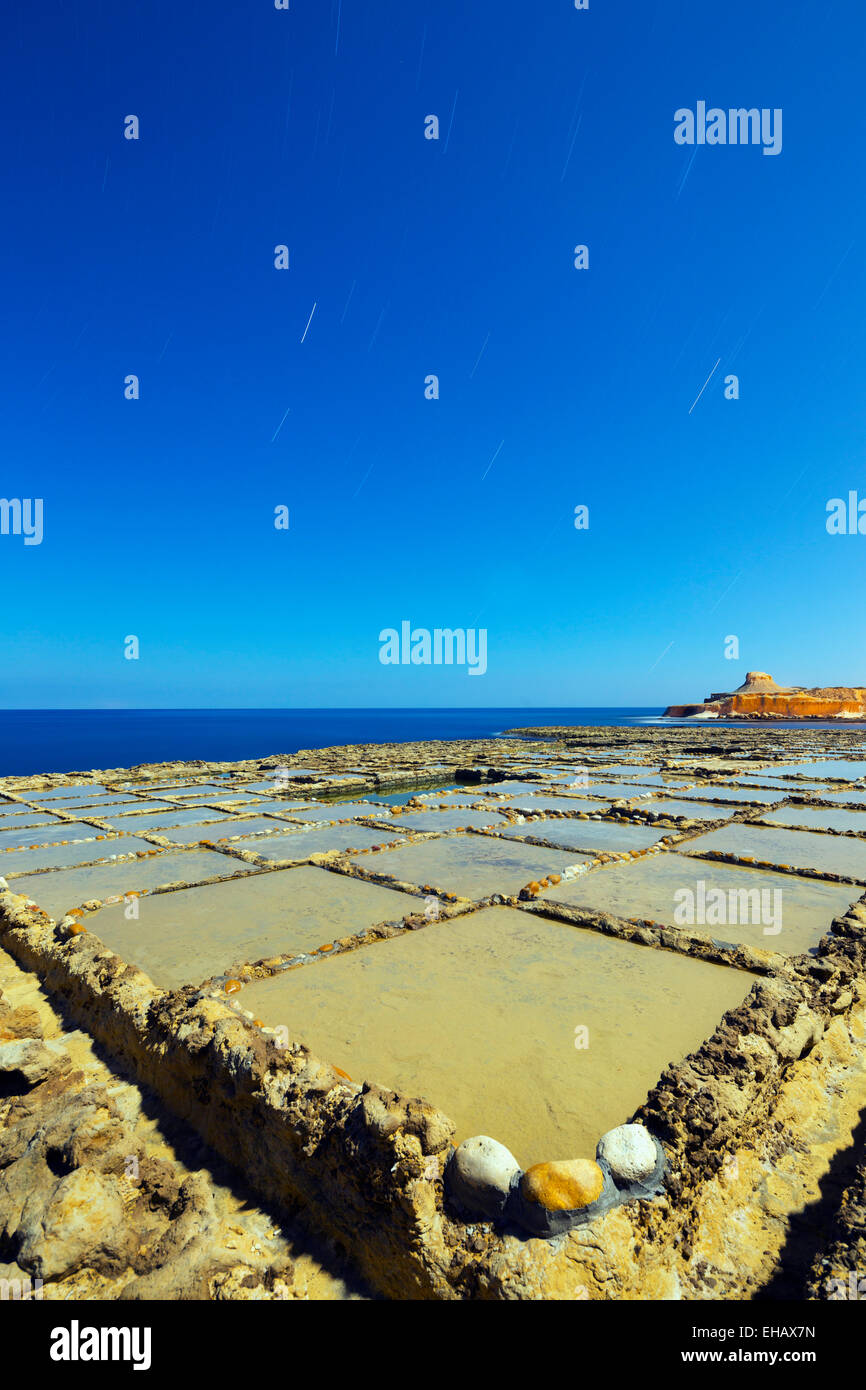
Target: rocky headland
(759,697)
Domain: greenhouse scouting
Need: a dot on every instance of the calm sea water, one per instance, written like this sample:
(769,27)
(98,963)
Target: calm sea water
(77,740)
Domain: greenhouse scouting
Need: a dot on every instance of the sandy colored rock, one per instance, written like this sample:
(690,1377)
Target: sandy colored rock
(761,697)
(83,1219)
(30,1058)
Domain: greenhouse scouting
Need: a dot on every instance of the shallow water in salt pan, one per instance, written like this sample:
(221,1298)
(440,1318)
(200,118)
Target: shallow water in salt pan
(63,793)
(57,892)
(824,767)
(494,789)
(341,810)
(472,866)
(589,835)
(300,844)
(446,792)
(17,820)
(26,861)
(452,819)
(46,834)
(569,805)
(857,798)
(617,791)
(801,849)
(189,815)
(739,794)
(821,816)
(122,816)
(695,810)
(219,829)
(187,936)
(646,889)
(478,1016)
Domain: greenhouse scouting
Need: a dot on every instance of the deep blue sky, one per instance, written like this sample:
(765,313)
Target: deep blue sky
(261,127)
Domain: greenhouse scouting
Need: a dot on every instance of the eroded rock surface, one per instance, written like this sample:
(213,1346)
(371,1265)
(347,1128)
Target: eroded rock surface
(94,1201)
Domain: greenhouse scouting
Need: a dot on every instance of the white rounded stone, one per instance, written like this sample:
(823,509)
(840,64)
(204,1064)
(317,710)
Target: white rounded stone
(629,1152)
(483,1172)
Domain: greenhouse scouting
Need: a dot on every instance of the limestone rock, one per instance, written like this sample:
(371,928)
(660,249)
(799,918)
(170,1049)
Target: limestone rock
(761,697)
(629,1152)
(82,1220)
(757,682)
(22,1022)
(28,1061)
(480,1176)
(799,1037)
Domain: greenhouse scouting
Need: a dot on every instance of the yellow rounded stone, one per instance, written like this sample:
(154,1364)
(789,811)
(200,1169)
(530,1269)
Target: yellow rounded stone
(563,1186)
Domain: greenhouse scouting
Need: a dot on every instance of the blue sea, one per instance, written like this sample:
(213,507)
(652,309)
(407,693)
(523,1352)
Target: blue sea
(78,740)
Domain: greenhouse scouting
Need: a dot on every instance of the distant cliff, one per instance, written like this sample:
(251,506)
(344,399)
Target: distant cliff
(759,697)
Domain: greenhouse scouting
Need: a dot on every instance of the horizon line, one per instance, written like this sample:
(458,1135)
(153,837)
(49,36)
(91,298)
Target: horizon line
(292,709)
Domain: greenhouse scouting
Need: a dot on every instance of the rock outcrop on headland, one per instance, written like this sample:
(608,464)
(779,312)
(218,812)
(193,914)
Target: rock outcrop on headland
(759,697)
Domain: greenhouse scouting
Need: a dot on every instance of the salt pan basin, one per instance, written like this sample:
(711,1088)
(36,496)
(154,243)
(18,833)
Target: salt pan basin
(742,794)
(341,810)
(587,834)
(479,1015)
(17,820)
(440,821)
(616,791)
(472,866)
(850,770)
(190,815)
(26,861)
(49,834)
(647,889)
(801,849)
(221,829)
(823,817)
(91,803)
(57,892)
(64,793)
(569,805)
(122,816)
(187,936)
(695,810)
(492,789)
(300,844)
